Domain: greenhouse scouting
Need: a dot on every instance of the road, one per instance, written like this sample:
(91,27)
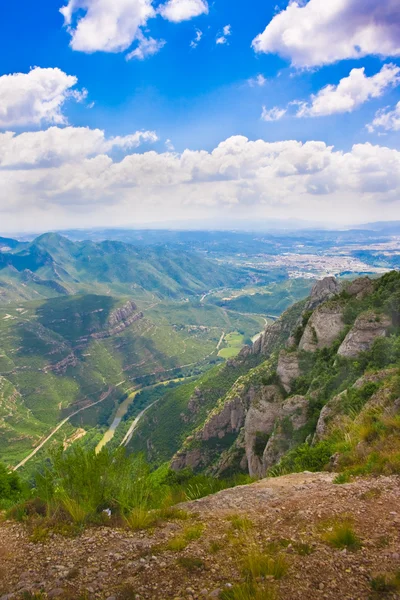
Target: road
(40,446)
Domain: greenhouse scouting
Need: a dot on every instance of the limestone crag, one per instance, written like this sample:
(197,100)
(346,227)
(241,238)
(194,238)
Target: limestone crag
(323,290)
(61,367)
(288,368)
(323,327)
(293,415)
(122,314)
(259,423)
(360,287)
(366,329)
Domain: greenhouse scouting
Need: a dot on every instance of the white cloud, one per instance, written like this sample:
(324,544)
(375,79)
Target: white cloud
(56,146)
(183,10)
(351,92)
(169,145)
(272,114)
(108,26)
(36,97)
(386,119)
(223,39)
(146,47)
(194,43)
(72,179)
(258,81)
(321,32)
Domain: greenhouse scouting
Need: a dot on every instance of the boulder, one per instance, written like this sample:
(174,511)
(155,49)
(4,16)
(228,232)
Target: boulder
(367,327)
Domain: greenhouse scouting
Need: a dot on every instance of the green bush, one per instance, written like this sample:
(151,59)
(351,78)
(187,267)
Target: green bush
(10,485)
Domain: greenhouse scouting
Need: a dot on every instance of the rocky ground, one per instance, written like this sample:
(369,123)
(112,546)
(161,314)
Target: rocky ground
(289,516)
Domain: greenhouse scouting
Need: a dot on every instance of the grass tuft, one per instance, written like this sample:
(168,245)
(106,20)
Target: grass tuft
(240,523)
(256,564)
(249,591)
(140,518)
(343,536)
(191,563)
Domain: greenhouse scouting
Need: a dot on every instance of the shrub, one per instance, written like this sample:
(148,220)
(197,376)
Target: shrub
(10,485)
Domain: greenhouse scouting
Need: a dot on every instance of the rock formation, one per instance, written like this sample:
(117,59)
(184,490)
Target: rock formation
(366,329)
(288,368)
(323,327)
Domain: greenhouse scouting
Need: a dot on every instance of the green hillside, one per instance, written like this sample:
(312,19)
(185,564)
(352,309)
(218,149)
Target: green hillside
(52,265)
(63,353)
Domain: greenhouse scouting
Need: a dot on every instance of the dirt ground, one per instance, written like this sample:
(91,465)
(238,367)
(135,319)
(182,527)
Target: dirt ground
(287,516)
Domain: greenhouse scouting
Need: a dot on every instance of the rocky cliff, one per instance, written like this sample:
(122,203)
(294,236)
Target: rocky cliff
(290,399)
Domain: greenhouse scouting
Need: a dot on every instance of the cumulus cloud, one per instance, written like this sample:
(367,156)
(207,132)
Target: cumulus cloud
(258,81)
(60,178)
(321,32)
(103,25)
(146,47)
(351,92)
(183,10)
(36,97)
(56,146)
(272,114)
(386,119)
(223,39)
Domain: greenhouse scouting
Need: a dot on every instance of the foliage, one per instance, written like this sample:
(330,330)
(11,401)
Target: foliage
(10,486)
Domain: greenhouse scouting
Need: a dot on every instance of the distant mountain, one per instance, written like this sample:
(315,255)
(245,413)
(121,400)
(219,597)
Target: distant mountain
(53,265)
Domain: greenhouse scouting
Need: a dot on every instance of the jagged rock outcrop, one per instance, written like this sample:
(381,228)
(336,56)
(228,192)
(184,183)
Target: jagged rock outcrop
(328,417)
(292,417)
(288,368)
(360,287)
(323,327)
(61,367)
(259,423)
(120,319)
(228,419)
(122,314)
(323,290)
(367,327)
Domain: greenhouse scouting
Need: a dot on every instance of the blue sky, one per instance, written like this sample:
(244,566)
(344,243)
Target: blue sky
(193,99)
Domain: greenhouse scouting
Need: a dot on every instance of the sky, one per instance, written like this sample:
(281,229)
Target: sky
(132,112)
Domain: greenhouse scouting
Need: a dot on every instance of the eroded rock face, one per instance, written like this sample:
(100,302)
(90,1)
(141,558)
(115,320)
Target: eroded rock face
(364,332)
(323,290)
(288,369)
(228,420)
(361,287)
(260,422)
(293,416)
(323,328)
(328,417)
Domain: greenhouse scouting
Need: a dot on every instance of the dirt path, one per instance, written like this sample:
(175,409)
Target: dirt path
(42,443)
(287,516)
